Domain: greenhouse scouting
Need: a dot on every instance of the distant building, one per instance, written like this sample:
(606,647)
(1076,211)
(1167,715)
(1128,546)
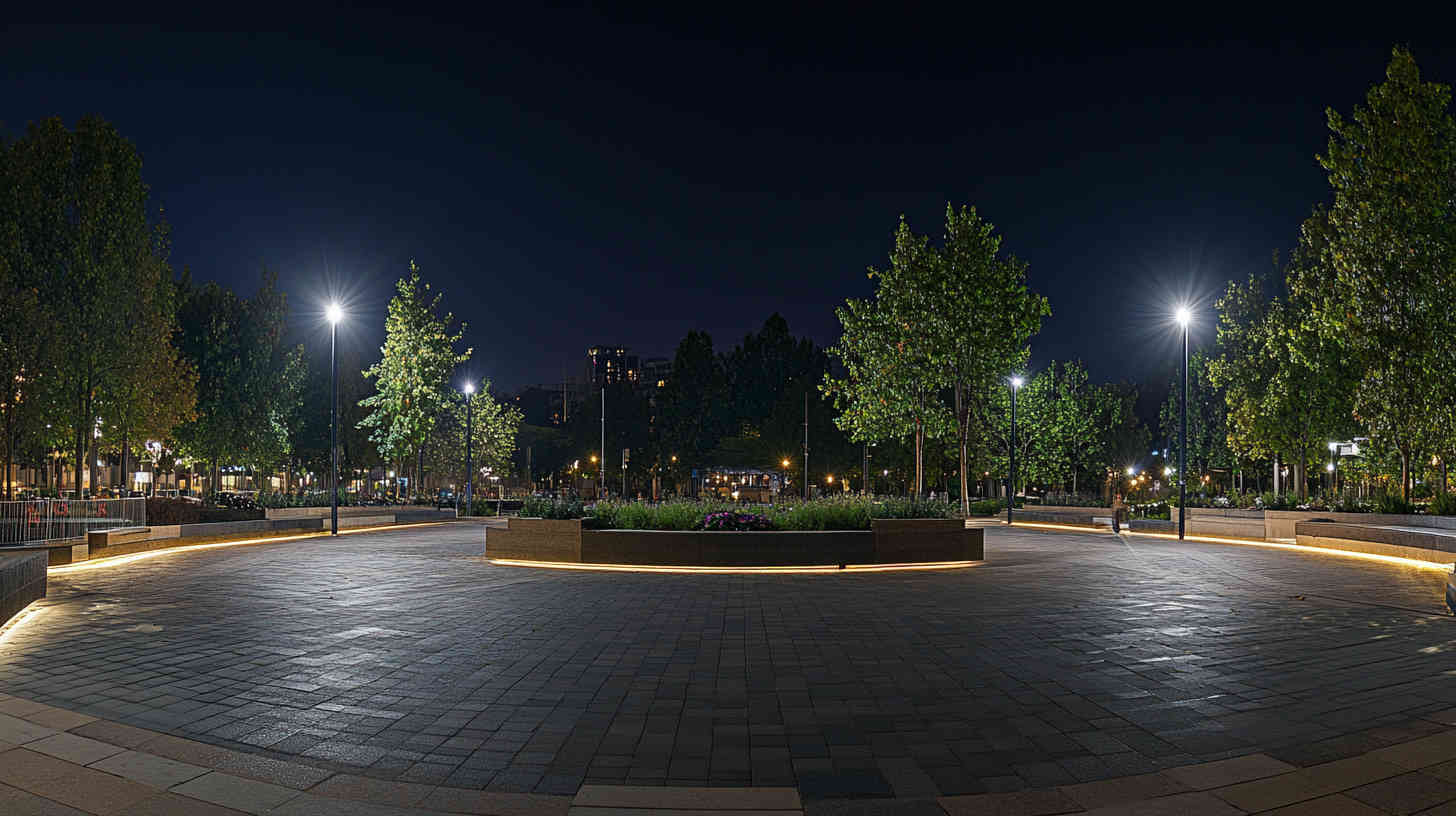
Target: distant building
(655,371)
(610,365)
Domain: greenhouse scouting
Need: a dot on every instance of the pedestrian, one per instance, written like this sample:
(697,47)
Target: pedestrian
(1117,508)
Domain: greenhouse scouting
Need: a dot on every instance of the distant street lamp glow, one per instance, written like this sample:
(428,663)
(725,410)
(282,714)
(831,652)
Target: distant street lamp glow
(470,388)
(1183,316)
(1017,381)
(334,313)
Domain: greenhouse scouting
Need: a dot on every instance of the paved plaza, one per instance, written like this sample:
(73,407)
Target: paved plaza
(1066,658)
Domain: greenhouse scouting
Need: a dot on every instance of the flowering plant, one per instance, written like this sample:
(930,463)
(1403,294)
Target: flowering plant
(732,520)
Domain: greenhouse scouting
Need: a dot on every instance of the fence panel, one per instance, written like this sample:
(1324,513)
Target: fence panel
(43,520)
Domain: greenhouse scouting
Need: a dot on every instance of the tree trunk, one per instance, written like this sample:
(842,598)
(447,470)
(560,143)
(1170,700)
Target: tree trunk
(964,421)
(919,460)
(1405,473)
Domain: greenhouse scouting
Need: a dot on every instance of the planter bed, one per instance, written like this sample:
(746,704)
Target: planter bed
(890,541)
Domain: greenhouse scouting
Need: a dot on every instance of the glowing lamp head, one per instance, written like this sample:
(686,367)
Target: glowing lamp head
(470,388)
(831,478)
(335,313)
(1017,381)
(1330,467)
(594,458)
(1131,471)
(1334,446)
(1183,316)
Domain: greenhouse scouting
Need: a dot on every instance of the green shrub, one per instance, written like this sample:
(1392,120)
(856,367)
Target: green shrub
(1070,500)
(987,507)
(1274,501)
(912,508)
(1443,504)
(536,507)
(1393,504)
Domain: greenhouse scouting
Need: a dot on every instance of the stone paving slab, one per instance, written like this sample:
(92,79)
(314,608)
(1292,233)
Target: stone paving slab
(1067,660)
(130,781)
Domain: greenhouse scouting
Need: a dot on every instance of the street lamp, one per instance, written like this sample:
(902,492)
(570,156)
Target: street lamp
(1016,383)
(469,469)
(334,313)
(1184,317)
(1334,467)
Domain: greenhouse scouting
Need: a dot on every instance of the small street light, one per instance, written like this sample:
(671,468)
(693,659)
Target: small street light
(1184,317)
(1016,383)
(469,469)
(335,313)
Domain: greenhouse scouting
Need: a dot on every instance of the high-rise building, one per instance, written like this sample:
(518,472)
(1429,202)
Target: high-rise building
(655,371)
(609,365)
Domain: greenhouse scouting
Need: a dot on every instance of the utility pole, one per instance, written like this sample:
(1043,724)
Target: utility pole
(806,445)
(602,473)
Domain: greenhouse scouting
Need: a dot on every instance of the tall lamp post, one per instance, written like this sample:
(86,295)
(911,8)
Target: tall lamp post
(469,467)
(1016,382)
(1183,317)
(335,314)
(1334,468)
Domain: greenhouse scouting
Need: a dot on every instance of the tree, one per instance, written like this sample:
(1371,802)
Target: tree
(692,404)
(249,381)
(982,316)
(1391,250)
(153,389)
(412,377)
(80,220)
(889,388)
(493,428)
(26,334)
(1207,418)
(1076,408)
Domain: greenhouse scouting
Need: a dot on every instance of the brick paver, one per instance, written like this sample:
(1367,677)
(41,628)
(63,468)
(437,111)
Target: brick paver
(1068,658)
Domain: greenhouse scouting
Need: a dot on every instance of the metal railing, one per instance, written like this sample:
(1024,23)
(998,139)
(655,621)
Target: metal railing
(43,520)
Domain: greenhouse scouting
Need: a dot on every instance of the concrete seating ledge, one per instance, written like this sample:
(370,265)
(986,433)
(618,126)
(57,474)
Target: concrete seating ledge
(1432,544)
(128,540)
(22,582)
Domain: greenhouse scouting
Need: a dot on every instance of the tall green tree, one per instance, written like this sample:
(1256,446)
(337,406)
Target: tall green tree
(493,428)
(1391,250)
(1207,419)
(27,333)
(982,316)
(249,380)
(85,229)
(412,378)
(891,373)
(693,404)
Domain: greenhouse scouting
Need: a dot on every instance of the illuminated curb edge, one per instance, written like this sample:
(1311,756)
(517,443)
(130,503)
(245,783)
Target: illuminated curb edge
(823,569)
(118,560)
(1394,560)
(19,621)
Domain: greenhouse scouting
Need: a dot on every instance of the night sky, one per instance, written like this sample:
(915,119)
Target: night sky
(573,177)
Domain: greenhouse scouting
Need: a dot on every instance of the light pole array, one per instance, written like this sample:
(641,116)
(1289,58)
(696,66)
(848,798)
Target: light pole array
(335,314)
(1016,383)
(1183,317)
(469,467)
